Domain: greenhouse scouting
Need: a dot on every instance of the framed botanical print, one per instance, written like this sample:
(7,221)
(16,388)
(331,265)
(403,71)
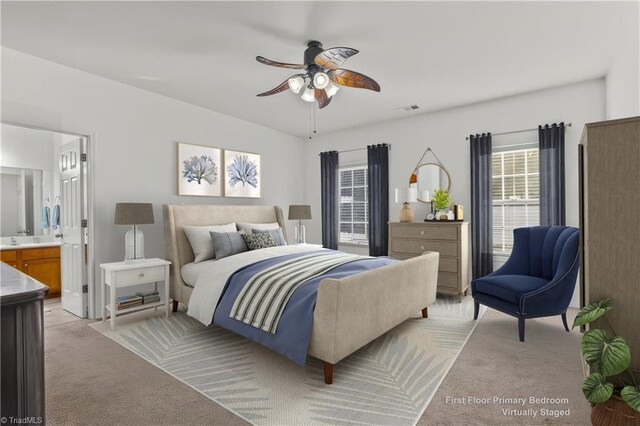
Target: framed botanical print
(199,170)
(242,174)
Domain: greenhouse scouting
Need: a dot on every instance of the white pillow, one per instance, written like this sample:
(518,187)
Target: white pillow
(201,240)
(247,227)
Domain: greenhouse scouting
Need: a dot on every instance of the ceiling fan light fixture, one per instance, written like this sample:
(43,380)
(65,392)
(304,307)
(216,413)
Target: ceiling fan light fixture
(331,89)
(309,95)
(320,80)
(296,83)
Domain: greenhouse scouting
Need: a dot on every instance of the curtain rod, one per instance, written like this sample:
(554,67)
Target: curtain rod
(518,131)
(357,149)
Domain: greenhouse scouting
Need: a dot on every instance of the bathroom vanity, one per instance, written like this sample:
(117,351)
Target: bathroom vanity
(39,261)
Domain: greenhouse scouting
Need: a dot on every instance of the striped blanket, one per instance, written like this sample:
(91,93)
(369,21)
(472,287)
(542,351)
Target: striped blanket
(263,298)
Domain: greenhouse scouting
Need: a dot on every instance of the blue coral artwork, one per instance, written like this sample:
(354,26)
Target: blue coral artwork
(199,170)
(242,174)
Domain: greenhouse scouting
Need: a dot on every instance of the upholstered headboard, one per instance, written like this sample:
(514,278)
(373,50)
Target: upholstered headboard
(176,245)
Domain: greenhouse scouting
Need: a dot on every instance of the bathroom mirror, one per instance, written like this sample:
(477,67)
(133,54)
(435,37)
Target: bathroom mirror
(25,193)
(431,176)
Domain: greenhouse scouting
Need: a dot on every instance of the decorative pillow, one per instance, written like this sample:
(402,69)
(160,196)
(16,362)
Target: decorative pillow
(260,226)
(259,241)
(201,241)
(227,243)
(277,235)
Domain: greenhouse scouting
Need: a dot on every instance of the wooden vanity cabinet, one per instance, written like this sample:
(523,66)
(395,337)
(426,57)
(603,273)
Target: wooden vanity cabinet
(40,263)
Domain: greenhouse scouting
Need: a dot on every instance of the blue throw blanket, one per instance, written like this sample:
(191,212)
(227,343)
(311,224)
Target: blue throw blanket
(293,333)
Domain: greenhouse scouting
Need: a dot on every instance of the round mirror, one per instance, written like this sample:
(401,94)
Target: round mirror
(431,176)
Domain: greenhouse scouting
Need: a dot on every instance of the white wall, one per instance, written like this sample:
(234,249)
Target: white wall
(623,75)
(445,132)
(25,148)
(134,142)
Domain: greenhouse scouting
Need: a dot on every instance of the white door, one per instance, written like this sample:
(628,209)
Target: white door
(71,214)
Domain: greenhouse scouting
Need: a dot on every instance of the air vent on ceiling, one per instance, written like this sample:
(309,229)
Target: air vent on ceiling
(407,107)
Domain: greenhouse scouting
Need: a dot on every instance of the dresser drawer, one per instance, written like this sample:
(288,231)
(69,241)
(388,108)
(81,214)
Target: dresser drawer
(434,232)
(135,276)
(448,264)
(8,255)
(448,280)
(445,248)
(41,253)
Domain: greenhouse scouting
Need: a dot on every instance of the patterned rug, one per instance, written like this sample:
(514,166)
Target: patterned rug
(388,382)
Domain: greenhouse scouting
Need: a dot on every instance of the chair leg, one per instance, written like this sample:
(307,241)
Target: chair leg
(476,309)
(425,312)
(175,306)
(564,321)
(328,373)
(521,329)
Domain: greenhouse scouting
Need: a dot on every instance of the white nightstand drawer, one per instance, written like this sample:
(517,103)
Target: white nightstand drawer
(136,276)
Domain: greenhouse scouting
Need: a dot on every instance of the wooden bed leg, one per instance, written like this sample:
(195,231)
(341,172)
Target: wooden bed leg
(328,373)
(425,312)
(175,306)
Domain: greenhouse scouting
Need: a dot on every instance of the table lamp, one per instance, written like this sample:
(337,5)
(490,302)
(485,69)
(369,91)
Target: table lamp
(406,196)
(299,213)
(134,214)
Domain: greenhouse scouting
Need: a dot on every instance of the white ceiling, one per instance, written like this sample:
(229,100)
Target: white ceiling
(433,54)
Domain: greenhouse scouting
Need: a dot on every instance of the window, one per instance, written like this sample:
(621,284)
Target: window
(516,195)
(354,206)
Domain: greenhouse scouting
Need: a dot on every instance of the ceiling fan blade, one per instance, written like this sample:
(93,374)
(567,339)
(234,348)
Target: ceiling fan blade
(280,88)
(353,79)
(334,57)
(279,64)
(322,98)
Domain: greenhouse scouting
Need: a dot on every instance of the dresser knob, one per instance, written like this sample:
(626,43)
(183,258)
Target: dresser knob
(141,274)
(421,232)
(421,247)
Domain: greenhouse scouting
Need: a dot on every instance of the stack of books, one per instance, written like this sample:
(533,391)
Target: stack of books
(148,296)
(128,301)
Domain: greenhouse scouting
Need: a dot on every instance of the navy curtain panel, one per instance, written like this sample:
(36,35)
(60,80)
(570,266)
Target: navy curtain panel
(329,189)
(552,185)
(481,206)
(378,196)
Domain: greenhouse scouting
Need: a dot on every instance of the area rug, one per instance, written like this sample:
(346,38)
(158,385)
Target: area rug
(388,382)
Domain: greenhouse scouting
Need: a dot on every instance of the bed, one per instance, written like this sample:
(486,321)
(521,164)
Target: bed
(349,312)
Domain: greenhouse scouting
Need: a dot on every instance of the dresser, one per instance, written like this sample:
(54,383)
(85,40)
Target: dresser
(450,239)
(22,347)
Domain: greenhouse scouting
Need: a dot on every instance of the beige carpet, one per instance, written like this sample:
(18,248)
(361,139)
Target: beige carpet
(92,380)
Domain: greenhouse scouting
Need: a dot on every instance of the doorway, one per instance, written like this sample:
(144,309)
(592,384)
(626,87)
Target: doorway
(47,211)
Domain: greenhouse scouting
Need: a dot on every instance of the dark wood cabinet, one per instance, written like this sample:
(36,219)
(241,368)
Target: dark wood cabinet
(22,346)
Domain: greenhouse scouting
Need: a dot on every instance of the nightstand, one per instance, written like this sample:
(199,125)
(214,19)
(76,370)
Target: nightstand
(121,274)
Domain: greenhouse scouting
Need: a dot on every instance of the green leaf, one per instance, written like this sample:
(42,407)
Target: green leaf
(631,395)
(593,311)
(608,355)
(595,388)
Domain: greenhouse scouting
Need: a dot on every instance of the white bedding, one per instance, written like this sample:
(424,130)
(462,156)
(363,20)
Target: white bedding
(214,275)
(191,271)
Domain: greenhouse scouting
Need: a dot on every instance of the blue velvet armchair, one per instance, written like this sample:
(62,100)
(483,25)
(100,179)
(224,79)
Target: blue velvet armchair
(537,280)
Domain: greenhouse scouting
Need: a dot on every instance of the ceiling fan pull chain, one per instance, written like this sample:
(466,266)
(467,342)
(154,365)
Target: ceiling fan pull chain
(310,106)
(315,118)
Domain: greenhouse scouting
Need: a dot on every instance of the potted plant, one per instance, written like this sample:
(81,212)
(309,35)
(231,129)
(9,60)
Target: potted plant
(611,386)
(441,200)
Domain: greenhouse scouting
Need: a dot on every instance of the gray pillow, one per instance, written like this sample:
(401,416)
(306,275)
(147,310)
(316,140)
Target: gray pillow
(275,233)
(259,241)
(227,243)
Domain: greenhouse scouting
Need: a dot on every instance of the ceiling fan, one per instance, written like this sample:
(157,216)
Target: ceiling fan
(321,72)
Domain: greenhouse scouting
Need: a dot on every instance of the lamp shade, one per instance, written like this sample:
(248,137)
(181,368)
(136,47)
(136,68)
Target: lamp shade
(299,212)
(133,214)
(406,195)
